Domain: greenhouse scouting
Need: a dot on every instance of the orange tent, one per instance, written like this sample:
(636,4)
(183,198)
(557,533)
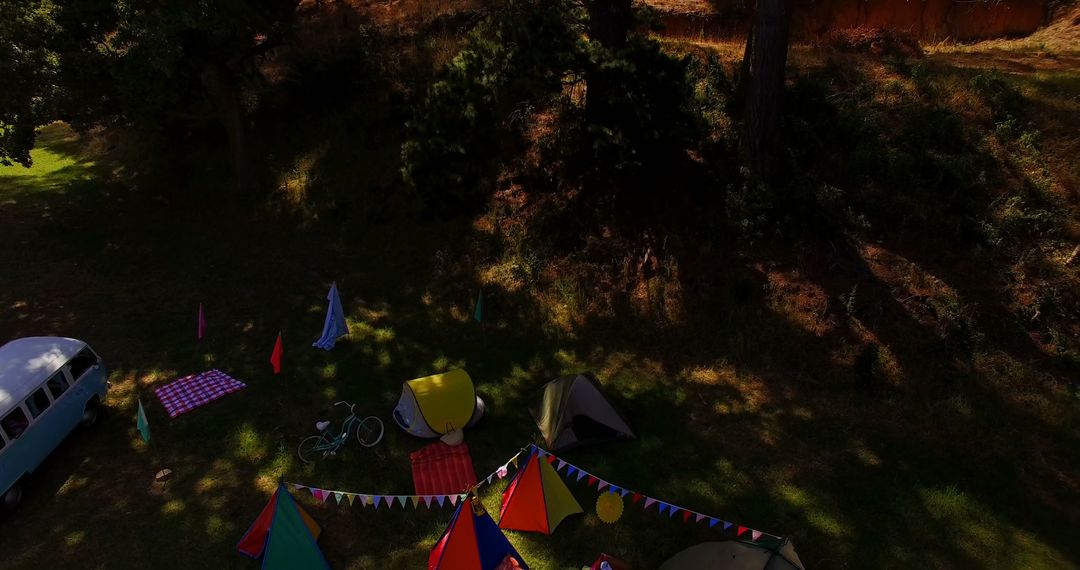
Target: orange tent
(537,499)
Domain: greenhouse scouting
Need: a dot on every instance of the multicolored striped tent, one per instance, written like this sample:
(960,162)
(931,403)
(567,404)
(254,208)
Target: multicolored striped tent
(472,541)
(284,535)
(537,499)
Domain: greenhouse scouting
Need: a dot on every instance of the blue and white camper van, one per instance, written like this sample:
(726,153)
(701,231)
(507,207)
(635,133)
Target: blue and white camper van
(48,386)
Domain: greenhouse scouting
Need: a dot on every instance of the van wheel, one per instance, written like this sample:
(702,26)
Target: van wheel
(12,498)
(91,413)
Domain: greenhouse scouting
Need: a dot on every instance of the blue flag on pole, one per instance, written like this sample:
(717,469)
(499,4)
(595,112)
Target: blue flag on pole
(335,326)
(141,424)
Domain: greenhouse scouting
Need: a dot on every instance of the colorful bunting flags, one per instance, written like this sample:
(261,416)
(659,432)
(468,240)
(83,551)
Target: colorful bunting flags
(321,495)
(663,507)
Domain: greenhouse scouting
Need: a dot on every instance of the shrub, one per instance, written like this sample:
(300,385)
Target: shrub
(876,41)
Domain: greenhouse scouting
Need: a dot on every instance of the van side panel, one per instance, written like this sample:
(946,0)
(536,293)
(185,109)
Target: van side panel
(49,429)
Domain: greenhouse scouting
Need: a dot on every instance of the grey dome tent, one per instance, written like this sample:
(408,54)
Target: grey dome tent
(573,410)
(736,555)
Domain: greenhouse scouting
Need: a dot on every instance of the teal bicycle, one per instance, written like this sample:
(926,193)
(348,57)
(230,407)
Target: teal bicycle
(369,432)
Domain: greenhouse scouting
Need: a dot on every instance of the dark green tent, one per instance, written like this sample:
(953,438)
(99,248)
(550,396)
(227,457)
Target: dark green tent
(573,411)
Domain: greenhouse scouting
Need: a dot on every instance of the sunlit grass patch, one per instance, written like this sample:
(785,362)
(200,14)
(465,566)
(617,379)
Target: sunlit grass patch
(248,444)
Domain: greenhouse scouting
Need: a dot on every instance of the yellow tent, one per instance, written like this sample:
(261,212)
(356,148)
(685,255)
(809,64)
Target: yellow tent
(435,405)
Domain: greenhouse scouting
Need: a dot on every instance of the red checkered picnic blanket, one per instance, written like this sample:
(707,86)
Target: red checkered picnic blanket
(190,392)
(440,469)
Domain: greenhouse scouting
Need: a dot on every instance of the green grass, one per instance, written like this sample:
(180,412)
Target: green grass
(741,413)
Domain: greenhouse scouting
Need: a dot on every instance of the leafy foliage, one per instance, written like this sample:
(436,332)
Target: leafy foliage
(29,68)
(533,56)
(518,58)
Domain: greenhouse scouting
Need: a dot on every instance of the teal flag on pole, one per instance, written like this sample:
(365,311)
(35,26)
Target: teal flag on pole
(142,424)
(478,314)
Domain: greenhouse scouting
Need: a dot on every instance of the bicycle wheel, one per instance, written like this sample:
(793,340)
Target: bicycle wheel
(312,448)
(369,431)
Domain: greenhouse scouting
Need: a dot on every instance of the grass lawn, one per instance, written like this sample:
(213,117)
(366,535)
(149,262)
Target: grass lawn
(739,418)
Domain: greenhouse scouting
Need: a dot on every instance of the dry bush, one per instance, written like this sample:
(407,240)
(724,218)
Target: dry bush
(876,41)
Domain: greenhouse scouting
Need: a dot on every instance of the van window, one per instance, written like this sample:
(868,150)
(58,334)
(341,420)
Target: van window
(38,402)
(58,384)
(14,424)
(81,363)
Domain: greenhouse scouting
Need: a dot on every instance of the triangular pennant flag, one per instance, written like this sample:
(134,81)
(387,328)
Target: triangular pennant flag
(441,499)
(673,510)
(378,499)
(478,313)
(141,424)
(571,470)
(754,535)
(727,525)
(663,507)
(275,356)
(580,474)
(365,500)
(415,501)
(502,471)
(514,461)
(200,324)
(591,481)
(352,498)
(338,496)
(713,522)
(551,459)
(623,493)
(649,502)
(603,484)
(686,516)
(427,500)
(741,530)
(297,486)
(699,517)
(388,500)
(561,465)
(316,493)
(453,500)
(488,481)
(401,499)
(637,497)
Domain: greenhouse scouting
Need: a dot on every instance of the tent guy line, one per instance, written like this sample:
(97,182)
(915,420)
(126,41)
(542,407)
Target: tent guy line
(564,468)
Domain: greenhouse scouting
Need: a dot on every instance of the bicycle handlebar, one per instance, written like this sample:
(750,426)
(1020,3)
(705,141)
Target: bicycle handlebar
(352,407)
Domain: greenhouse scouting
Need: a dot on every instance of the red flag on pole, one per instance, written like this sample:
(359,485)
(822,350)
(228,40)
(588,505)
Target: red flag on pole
(275,357)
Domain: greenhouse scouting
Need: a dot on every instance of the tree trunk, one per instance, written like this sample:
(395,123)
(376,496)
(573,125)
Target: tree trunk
(767,51)
(221,84)
(609,25)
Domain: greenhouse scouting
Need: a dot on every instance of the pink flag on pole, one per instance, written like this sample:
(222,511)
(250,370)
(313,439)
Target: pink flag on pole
(201,325)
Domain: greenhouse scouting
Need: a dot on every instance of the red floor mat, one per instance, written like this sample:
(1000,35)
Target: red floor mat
(439,469)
